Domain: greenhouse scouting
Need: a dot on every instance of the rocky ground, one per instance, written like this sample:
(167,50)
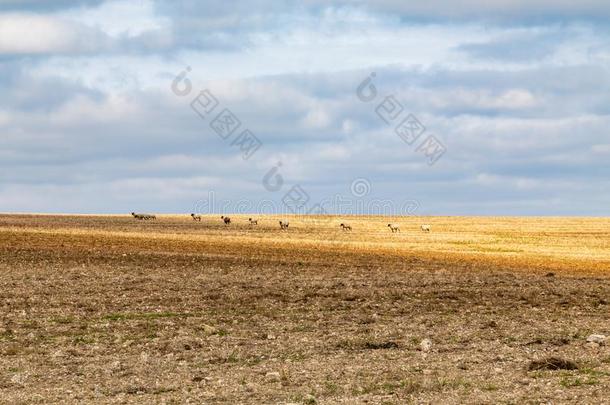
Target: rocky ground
(110,310)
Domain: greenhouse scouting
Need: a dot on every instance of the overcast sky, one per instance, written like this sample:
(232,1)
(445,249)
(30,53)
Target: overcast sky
(513,98)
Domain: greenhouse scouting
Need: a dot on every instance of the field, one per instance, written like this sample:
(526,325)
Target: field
(111,309)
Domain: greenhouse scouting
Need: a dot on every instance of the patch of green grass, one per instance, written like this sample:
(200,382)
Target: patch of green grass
(450,383)
(7,336)
(331,387)
(509,339)
(298,398)
(30,324)
(308,399)
(64,321)
(391,386)
(233,357)
(593,373)
(415,340)
(569,382)
(222,332)
(82,339)
(296,357)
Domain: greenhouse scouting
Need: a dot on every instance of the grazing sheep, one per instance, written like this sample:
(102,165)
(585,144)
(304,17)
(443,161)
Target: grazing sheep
(426,228)
(144,217)
(346,227)
(284,224)
(394,228)
(196,217)
(253,221)
(226,220)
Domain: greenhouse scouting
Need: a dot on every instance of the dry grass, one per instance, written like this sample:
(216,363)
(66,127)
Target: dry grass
(109,309)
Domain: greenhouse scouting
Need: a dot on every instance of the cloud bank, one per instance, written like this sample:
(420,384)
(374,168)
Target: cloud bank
(517,92)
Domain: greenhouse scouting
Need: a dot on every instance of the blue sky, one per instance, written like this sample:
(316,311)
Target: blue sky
(516,92)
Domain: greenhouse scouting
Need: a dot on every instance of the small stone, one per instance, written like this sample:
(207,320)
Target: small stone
(271,337)
(425,345)
(310,399)
(210,330)
(599,339)
(593,345)
(18,379)
(272,376)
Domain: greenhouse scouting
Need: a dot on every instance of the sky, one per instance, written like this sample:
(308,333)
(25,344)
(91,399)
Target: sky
(421,108)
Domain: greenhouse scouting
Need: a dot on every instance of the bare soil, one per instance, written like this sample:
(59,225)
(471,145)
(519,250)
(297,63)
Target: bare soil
(113,310)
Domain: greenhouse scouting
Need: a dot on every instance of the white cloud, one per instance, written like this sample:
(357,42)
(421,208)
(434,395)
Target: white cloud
(317,118)
(35,34)
(93,115)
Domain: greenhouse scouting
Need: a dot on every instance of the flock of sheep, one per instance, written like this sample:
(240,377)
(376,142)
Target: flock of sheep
(284,224)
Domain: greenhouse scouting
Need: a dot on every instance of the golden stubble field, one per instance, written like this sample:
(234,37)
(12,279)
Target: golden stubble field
(111,309)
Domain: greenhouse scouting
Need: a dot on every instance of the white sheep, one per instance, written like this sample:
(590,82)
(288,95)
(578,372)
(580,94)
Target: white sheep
(253,221)
(284,224)
(426,228)
(394,228)
(196,217)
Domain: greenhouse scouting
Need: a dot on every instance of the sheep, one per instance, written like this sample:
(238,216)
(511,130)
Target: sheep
(394,228)
(196,217)
(226,220)
(144,217)
(284,224)
(426,228)
(253,221)
(346,227)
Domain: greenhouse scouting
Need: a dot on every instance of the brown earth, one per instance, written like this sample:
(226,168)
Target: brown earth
(111,309)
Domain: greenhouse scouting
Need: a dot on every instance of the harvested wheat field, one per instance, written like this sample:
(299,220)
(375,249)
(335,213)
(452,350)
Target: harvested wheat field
(478,310)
